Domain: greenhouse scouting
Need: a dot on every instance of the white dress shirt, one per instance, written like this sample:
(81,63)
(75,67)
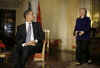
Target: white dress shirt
(32,35)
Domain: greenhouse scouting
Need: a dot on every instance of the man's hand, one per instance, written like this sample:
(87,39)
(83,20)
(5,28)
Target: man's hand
(81,33)
(30,43)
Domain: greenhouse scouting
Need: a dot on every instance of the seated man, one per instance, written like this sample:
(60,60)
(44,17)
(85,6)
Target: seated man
(29,38)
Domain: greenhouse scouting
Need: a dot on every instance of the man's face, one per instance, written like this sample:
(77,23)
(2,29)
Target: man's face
(29,16)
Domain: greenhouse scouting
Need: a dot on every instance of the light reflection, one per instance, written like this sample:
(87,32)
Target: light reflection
(96,17)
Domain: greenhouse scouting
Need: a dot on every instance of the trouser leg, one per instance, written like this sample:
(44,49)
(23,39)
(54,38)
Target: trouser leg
(82,51)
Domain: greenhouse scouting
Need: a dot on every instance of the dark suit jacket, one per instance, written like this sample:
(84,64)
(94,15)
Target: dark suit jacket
(37,31)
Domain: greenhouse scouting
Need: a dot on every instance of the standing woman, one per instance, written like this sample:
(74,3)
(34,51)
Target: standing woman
(82,34)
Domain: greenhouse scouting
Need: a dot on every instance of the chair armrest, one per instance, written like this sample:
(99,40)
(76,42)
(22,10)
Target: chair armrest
(45,43)
(43,49)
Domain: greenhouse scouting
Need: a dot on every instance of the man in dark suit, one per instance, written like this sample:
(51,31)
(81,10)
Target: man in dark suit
(29,39)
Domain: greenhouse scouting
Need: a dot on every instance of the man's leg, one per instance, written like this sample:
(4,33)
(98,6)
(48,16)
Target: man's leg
(17,57)
(27,51)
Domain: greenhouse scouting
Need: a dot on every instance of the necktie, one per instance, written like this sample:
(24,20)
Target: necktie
(28,37)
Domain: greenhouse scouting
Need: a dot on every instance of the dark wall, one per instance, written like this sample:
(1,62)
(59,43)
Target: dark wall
(7,26)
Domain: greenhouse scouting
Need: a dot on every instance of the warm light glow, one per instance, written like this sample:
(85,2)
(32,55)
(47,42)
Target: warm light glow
(88,14)
(91,23)
(96,17)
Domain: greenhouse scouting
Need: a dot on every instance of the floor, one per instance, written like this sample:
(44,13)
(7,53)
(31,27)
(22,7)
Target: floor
(58,60)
